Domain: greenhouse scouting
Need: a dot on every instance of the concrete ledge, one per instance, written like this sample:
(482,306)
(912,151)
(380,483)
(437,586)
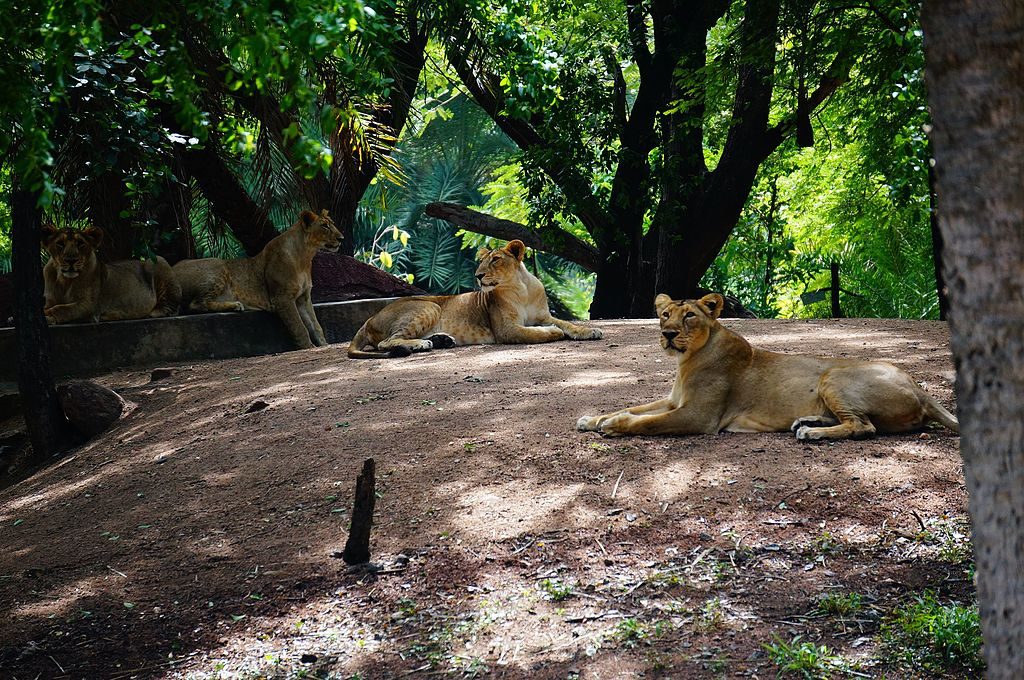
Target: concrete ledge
(79,350)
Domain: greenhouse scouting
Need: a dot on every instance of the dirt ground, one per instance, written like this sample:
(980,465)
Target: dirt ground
(199,537)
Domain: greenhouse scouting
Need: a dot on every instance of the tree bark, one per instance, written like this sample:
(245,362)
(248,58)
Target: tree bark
(48,429)
(974,64)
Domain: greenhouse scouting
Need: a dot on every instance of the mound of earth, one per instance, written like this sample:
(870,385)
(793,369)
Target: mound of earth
(339,277)
(199,536)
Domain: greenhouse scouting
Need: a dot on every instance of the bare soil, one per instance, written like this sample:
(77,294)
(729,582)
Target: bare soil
(199,536)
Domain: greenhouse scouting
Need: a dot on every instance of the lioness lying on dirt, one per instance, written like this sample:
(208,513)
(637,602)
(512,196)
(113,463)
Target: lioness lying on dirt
(78,287)
(277,280)
(725,384)
(510,307)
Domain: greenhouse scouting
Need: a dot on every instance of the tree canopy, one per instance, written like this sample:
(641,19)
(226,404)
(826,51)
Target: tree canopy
(744,146)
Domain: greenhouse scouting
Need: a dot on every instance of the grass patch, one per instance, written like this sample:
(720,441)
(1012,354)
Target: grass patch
(630,632)
(804,659)
(840,604)
(556,590)
(936,637)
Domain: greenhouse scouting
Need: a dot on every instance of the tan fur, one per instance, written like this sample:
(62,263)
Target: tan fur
(725,384)
(277,280)
(510,307)
(78,287)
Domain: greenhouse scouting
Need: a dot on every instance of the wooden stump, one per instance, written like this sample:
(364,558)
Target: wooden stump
(357,548)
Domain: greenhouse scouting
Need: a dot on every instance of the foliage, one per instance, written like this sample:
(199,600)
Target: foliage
(861,199)
(936,637)
(803,658)
(839,604)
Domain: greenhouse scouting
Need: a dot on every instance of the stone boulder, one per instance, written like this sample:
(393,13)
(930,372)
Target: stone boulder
(91,408)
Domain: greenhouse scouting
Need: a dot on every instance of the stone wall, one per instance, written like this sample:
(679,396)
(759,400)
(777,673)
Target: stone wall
(80,350)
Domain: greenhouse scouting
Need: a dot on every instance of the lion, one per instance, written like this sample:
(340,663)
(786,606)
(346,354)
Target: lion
(279,279)
(510,307)
(80,288)
(724,384)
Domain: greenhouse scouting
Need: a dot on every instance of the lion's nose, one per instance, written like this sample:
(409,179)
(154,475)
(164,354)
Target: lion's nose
(670,335)
(479,277)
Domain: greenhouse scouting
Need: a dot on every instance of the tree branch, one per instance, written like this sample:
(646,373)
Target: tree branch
(550,239)
(484,87)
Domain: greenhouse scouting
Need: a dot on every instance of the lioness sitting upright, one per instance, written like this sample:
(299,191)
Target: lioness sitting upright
(510,307)
(277,280)
(725,384)
(78,287)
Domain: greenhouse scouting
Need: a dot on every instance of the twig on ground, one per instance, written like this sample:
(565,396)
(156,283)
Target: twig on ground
(920,521)
(806,487)
(616,489)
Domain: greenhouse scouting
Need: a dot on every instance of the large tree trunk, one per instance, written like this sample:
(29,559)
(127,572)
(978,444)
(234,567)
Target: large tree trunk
(975,70)
(48,429)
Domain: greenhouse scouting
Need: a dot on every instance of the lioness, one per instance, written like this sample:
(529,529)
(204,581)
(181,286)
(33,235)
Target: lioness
(277,280)
(78,287)
(725,384)
(510,307)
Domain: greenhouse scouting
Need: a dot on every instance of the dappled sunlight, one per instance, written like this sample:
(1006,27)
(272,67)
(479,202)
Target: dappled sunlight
(64,600)
(479,470)
(497,512)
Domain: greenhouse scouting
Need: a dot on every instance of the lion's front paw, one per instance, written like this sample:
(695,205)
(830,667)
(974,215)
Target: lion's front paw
(616,426)
(588,423)
(51,320)
(807,433)
(237,307)
(586,333)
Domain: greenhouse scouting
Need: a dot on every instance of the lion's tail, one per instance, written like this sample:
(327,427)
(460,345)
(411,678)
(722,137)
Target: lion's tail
(356,351)
(936,411)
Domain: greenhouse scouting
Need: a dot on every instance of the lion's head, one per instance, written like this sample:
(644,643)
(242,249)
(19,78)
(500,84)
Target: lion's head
(320,231)
(686,324)
(72,250)
(500,265)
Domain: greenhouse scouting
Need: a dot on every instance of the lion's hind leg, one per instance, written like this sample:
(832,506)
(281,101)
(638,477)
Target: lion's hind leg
(866,399)
(407,330)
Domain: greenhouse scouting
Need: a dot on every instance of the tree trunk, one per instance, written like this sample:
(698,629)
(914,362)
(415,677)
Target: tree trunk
(975,71)
(48,429)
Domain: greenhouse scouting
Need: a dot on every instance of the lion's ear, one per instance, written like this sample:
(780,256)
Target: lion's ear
(482,253)
(714,302)
(94,235)
(49,233)
(323,213)
(516,249)
(661,302)
(308,217)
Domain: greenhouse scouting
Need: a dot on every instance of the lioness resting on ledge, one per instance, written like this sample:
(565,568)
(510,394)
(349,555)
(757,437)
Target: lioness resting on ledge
(78,287)
(510,307)
(725,384)
(277,280)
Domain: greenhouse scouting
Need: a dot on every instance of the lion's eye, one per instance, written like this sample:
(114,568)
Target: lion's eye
(664,315)
(688,315)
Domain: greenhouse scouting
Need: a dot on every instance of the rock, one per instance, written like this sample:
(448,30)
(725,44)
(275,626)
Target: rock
(160,374)
(91,408)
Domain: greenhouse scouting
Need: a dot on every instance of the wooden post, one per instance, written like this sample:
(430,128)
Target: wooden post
(837,312)
(357,548)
